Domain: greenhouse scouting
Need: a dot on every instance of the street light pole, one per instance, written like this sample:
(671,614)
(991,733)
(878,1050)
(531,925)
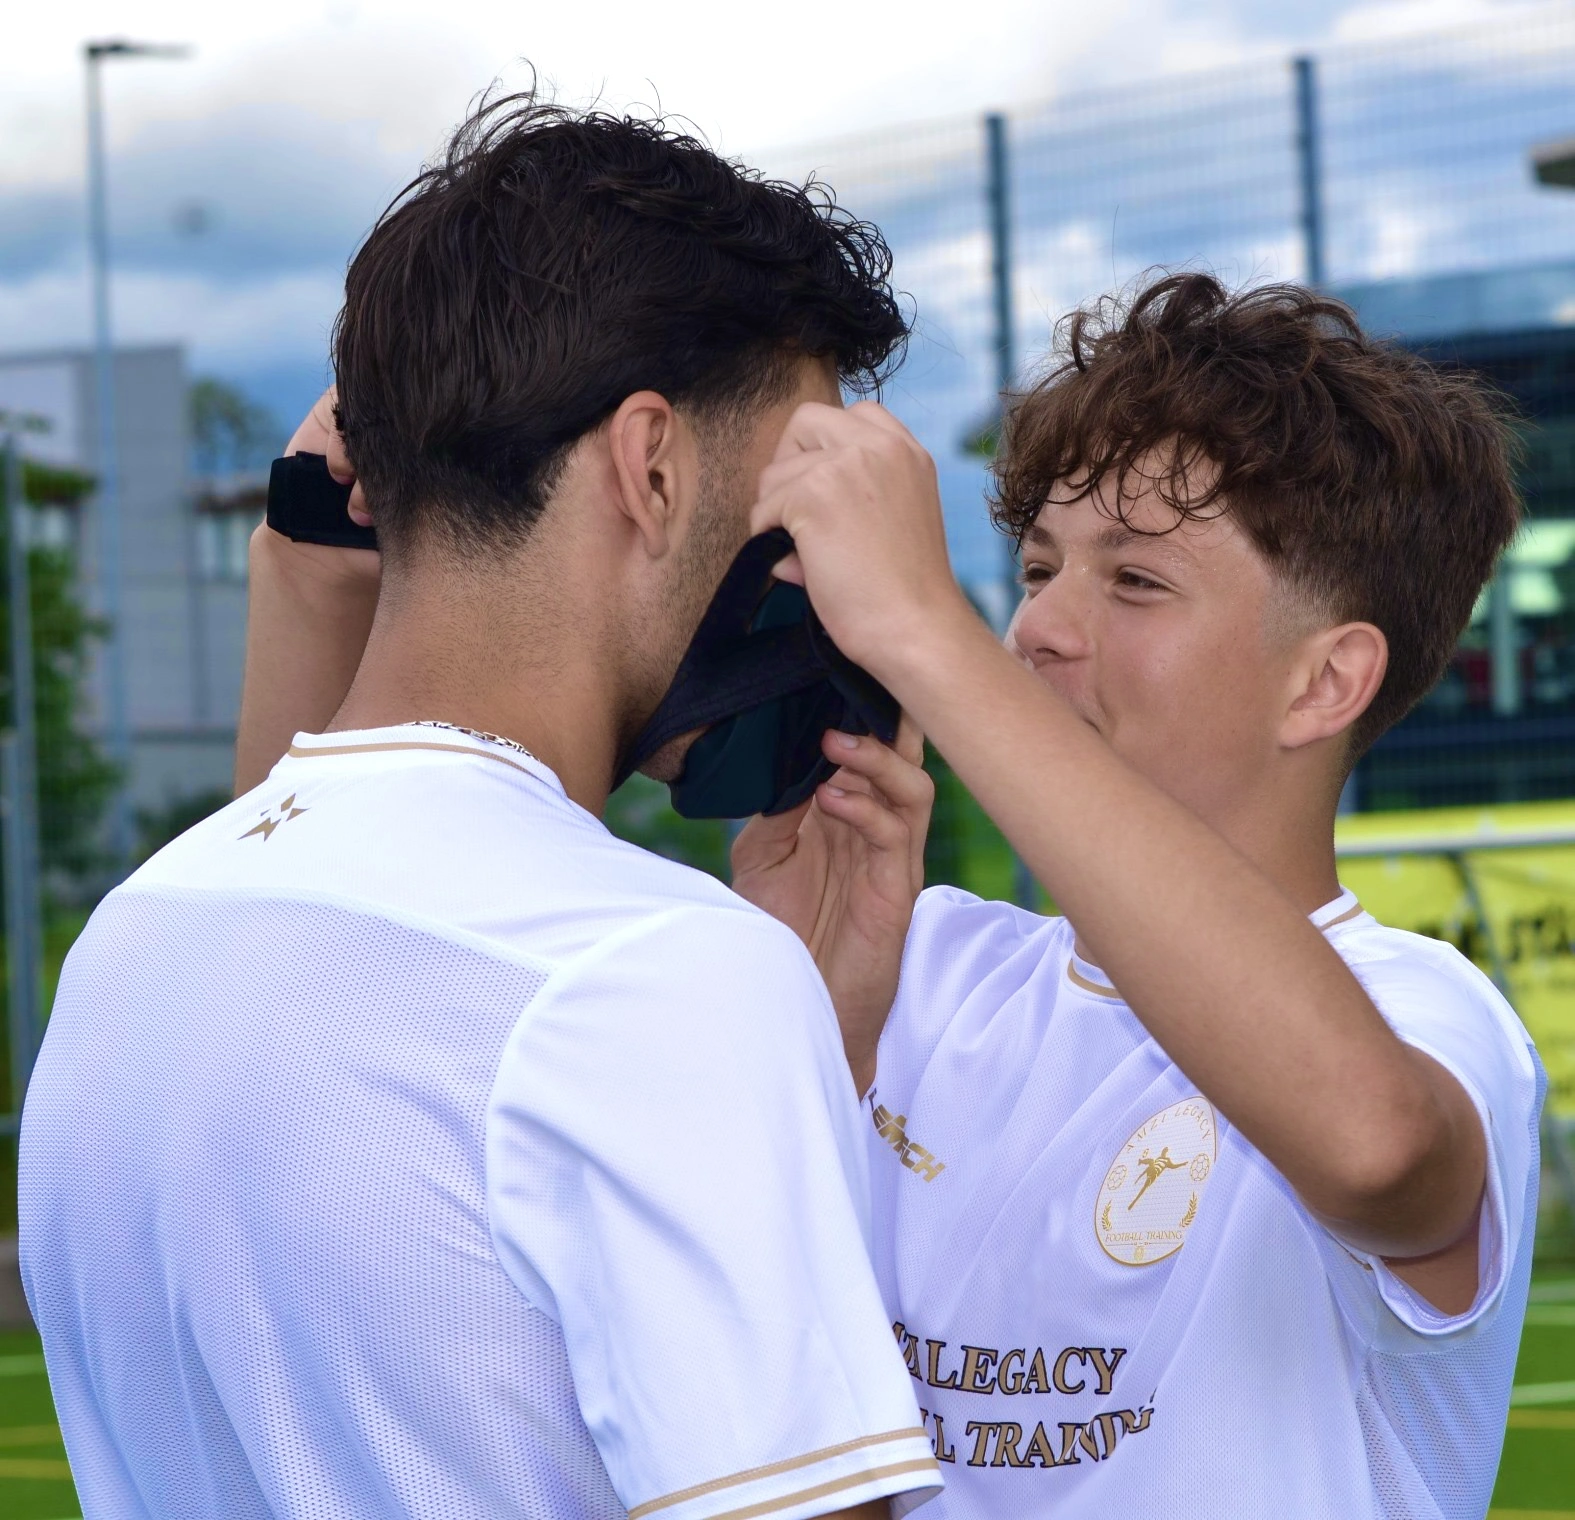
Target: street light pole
(19,800)
(111,566)
(1025,891)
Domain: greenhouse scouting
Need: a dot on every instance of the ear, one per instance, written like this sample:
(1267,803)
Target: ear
(1336,675)
(655,468)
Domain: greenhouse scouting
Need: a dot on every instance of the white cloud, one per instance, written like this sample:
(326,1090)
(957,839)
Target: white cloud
(751,76)
(1404,18)
(314,111)
(223,325)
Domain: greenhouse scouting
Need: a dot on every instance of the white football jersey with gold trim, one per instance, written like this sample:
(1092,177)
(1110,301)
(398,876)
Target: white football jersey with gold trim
(405,1144)
(1111,1304)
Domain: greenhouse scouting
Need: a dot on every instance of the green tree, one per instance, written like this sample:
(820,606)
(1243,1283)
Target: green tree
(640,812)
(75,778)
(230,432)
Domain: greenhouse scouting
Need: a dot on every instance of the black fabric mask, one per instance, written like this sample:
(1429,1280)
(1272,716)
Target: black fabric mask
(761,676)
(765,682)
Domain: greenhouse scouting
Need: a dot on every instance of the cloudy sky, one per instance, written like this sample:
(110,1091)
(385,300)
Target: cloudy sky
(243,176)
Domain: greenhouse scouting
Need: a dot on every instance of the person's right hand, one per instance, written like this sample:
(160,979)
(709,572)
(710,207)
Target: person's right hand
(319,434)
(860,497)
(325,566)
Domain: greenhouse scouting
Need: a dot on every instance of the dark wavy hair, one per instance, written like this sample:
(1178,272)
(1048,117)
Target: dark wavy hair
(551,264)
(1379,487)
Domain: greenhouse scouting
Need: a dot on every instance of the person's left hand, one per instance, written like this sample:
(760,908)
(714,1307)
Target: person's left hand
(842,872)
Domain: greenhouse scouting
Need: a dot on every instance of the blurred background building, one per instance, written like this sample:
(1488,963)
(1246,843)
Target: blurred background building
(184,604)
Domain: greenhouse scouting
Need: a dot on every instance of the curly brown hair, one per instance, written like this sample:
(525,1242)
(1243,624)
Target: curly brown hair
(1377,486)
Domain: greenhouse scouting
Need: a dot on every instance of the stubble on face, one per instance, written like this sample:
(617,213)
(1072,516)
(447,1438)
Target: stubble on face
(734,450)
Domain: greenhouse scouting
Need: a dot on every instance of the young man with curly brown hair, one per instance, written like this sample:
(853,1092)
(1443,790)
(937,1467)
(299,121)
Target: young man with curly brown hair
(1215,1196)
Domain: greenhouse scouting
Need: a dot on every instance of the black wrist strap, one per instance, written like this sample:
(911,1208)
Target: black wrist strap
(307,504)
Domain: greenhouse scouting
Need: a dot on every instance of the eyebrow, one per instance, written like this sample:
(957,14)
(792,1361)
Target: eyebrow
(1112,538)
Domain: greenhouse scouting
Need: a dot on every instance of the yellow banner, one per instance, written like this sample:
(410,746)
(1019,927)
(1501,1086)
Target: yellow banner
(1499,884)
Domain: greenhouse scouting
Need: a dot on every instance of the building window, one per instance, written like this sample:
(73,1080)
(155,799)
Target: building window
(228,511)
(222,542)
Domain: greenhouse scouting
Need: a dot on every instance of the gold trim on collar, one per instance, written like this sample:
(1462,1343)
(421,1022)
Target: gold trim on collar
(772,1469)
(300,752)
(1077,979)
(1354,911)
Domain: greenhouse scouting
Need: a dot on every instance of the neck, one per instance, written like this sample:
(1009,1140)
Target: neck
(1286,829)
(506,650)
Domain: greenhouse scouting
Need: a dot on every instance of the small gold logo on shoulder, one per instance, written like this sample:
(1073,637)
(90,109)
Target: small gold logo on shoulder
(274,817)
(1150,1195)
(893,1129)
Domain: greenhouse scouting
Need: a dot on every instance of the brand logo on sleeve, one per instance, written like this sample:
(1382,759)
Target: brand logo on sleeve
(274,817)
(1150,1195)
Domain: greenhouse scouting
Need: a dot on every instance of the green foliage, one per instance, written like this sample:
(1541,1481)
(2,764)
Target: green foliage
(640,812)
(964,848)
(48,485)
(75,778)
(230,432)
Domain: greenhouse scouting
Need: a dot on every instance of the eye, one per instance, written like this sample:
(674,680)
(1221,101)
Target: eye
(1135,580)
(1032,577)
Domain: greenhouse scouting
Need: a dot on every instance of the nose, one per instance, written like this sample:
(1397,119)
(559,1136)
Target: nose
(1052,625)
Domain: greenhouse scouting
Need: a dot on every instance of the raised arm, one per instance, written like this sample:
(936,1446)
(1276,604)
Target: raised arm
(308,616)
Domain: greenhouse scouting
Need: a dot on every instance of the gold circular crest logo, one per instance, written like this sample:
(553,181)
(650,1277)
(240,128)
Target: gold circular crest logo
(1154,1184)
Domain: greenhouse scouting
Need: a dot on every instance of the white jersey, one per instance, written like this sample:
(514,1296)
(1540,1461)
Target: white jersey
(405,1144)
(1111,1304)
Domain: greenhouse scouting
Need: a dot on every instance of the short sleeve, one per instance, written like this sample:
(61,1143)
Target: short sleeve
(1447,1009)
(676,1174)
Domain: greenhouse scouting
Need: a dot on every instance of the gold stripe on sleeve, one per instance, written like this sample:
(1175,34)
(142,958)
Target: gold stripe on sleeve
(825,1490)
(789,1465)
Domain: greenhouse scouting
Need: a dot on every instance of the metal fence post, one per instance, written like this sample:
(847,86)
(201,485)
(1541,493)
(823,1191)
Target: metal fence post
(19,796)
(1311,168)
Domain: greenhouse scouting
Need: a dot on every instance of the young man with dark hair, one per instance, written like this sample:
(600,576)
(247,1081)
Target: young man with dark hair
(403,1143)
(1251,1234)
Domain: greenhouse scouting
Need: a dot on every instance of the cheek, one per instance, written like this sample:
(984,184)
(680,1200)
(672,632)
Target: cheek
(1183,690)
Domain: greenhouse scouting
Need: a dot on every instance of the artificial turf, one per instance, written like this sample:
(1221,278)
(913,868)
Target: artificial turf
(1536,1479)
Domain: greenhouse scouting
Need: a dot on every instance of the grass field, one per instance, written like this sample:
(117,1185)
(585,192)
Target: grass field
(1536,1480)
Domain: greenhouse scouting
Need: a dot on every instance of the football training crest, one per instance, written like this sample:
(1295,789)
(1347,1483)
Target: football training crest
(1151,1192)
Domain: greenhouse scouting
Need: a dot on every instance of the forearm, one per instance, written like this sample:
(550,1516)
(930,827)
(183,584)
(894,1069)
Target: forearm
(308,617)
(1228,975)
